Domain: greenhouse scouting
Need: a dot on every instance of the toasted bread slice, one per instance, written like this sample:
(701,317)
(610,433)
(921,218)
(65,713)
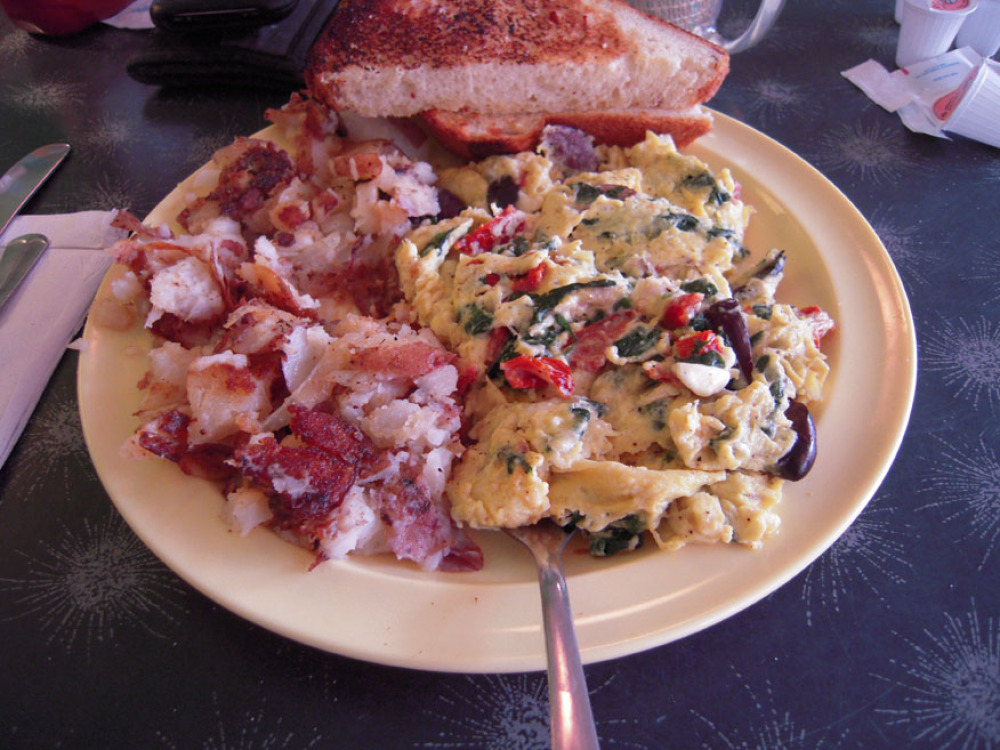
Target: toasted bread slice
(401,57)
(474,136)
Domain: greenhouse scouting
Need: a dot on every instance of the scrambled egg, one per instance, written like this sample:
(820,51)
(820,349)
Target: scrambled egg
(606,393)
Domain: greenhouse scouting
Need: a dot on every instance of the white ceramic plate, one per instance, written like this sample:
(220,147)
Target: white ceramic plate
(381,610)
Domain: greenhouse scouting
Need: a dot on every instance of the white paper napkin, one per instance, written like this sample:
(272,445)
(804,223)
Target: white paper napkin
(47,310)
(135,16)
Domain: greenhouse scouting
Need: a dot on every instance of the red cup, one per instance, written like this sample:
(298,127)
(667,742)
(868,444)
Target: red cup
(59,17)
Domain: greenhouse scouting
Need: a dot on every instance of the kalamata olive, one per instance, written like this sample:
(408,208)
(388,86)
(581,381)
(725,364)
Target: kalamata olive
(502,192)
(800,457)
(450,204)
(570,148)
(727,316)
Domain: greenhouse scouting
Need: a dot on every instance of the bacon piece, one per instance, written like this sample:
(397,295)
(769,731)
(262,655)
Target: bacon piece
(127,220)
(417,528)
(251,171)
(373,283)
(464,555)
(165,435)
(335,435)
(593,340)
(359,166)
(409,360)
(188,335)
(207,462)
(307,482)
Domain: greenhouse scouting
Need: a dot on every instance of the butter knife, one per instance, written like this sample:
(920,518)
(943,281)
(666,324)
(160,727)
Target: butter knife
(18,258)
(21,181)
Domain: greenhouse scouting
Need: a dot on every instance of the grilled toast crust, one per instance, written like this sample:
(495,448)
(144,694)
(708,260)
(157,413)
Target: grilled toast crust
(473,136)
(401,57)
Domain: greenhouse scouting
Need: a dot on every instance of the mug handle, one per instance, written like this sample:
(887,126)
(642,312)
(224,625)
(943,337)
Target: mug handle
(767,14)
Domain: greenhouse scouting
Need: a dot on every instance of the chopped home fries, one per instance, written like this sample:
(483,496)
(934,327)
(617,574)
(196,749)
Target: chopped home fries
(372,356)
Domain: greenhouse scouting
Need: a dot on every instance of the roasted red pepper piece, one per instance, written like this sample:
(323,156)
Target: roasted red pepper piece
(524,371)
(681,310)
(822,322)
(697,343)
(501,228)
(530,281)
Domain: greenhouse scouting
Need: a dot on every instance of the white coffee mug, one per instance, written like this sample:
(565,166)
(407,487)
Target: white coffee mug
(700,16)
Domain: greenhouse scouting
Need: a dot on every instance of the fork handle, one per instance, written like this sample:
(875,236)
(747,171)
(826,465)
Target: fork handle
(570,717)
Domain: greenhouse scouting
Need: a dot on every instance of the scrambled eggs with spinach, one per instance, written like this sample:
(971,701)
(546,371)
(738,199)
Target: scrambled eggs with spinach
(625,372)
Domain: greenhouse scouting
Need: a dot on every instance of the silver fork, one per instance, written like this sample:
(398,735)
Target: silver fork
(571,721)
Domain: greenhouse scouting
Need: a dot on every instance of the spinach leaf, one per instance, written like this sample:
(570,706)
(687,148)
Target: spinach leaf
(637,341)
(475,319)
(513,460)
(703,286)
(544,303)
(436,242)
(717,196)
(710,358)
(619,536)
(587,194)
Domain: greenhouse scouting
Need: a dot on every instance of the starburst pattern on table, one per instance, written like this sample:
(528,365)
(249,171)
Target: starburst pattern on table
(94,583)
(871,551)
(947,686)
(734,24)
(310,667)
(202,147)
(985,267)
(772,100)
(47,95)
(864,150)
(880,37)
(255,730)
(14,45)
(105,138)
(991,170)
(968,356)
(966,481)
(767,727)
(906,245)
(503,712)
(105,194)
(52,446)
(493,713)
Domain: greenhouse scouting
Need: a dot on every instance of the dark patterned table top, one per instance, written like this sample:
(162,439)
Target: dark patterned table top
(890,639)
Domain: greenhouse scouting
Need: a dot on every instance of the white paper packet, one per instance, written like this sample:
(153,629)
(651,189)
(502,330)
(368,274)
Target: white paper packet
(922,94)
(134,16)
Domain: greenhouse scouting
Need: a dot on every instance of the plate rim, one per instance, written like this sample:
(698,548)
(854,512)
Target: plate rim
(596,645)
